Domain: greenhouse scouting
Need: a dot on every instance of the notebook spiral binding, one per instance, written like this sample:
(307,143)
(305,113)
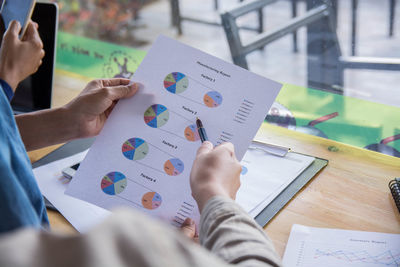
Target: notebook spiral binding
(394,186)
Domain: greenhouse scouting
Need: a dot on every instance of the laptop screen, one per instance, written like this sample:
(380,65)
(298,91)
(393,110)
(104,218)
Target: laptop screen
(34,93)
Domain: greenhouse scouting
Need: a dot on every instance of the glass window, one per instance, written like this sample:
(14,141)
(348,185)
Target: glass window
(339,71)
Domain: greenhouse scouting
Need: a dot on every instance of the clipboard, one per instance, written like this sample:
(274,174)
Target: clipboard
(262,218)
(290,191)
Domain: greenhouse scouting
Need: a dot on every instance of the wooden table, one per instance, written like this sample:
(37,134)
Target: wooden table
(350,193)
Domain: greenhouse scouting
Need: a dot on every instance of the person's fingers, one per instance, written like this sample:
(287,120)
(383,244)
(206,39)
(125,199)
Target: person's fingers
(115,82)
(34,24)
(32,35)
(13,28)
(188,228)
(122,91)
(42,53)
(205,147)
(228,147)
(28,32)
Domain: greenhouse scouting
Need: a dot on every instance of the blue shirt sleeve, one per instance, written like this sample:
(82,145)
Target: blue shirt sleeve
(21,202)
(7,89)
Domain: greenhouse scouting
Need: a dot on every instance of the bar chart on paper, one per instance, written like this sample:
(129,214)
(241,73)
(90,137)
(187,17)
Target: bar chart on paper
(331,247)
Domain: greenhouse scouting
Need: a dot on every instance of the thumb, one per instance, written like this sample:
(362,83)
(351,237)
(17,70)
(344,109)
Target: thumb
(122,91)
(13,28)
(205,147)
(188,228)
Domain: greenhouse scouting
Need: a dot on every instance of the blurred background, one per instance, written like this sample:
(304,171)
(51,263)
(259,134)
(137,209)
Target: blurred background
(339,60)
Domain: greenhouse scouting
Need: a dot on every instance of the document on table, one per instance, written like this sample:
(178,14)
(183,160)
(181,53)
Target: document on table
(308,246)
(81,214)
(144,154)
(264,176)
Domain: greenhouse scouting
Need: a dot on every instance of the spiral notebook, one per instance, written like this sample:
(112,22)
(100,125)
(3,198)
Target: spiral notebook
(394,186)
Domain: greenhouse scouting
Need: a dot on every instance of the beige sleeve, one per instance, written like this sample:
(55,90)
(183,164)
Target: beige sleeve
(130,238)
(126,238)
(229,232)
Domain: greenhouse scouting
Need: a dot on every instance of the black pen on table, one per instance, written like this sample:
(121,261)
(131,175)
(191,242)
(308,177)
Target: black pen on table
(201,130)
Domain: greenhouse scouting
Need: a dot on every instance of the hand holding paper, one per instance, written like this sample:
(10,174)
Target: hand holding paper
(144,154)
(90,109)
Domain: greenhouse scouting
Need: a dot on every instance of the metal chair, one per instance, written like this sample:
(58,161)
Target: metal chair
(325,64)
(354,8)
(177,18)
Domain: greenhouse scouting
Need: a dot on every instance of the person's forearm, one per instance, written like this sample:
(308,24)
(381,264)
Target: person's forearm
(47,127)
(229,232)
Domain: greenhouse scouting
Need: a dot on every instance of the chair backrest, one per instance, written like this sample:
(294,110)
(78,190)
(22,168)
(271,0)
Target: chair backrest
(322,46)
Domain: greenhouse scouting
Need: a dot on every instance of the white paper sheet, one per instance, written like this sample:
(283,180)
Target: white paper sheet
(143,156)
(309,247)
(264,176)
(81,214)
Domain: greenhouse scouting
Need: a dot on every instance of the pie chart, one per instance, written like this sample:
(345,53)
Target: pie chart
(151,200)
(156,116)
(173,167)
(135,149)
(113,183)
(191,133)
(212,99)
(176,82)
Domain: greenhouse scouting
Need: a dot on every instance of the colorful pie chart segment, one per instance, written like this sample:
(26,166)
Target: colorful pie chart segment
(244,170)
(212,99)
(173,167)
(156,116)
(113,183)
(176,82)
(191,133)
(135,149)
(151,200)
